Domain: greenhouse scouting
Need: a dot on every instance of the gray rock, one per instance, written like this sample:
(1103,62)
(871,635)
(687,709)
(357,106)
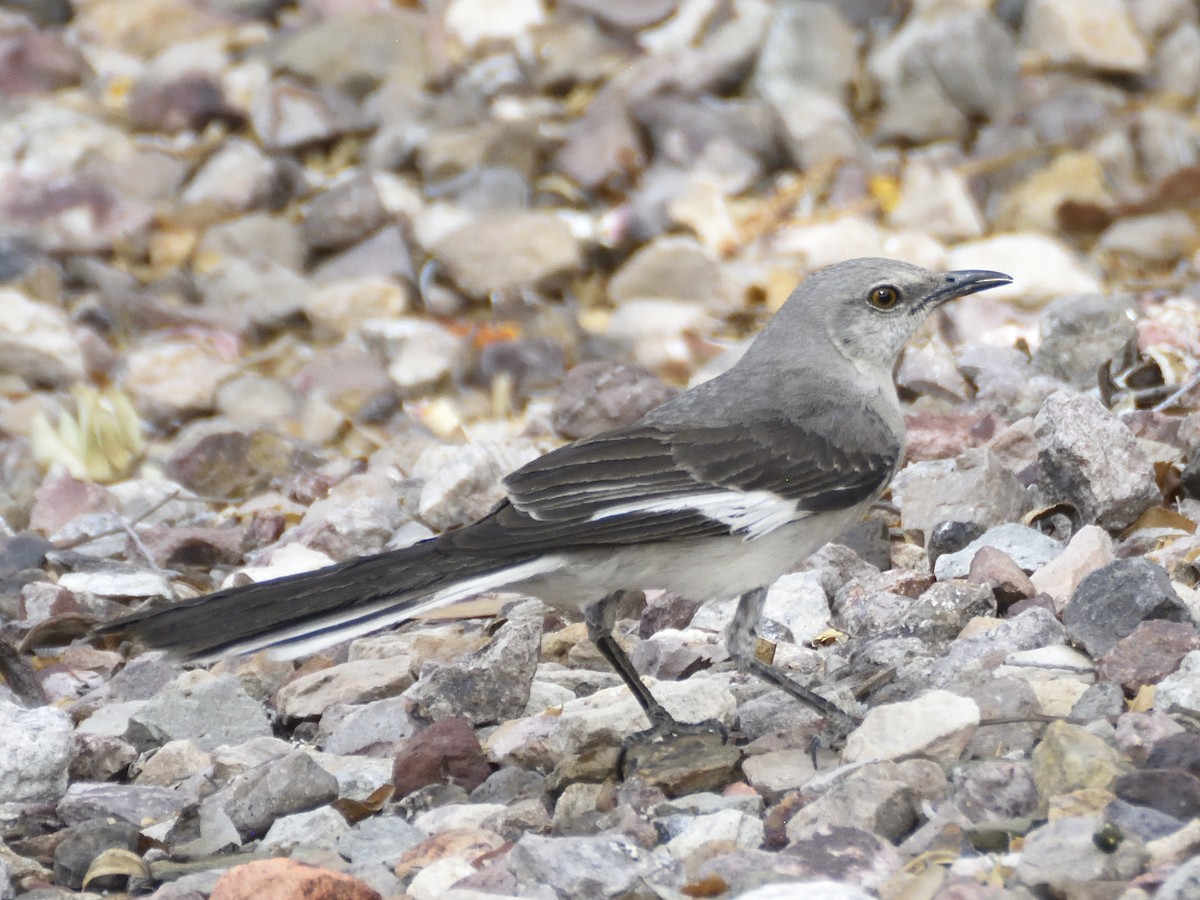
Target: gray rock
(136,804)
(36,342)
(98,757)
(319,828)
(995,790)
(591,868)
(597,396)
(1027,547)
(380,840)
(798,602)
(1080,333)
(973,487)
(210,710)
(257,234)
(808,45)
(491,685)
(1145,823)
(343,213)
(1090,459)
(864,799)
(509,785)
(936,724)
(969,660)
(84,842)
(1111,602)
(384,254)
(291,784)
(1063,854)
(508,252)
(1100,701)
(355,683)
(37,753)
(372,729)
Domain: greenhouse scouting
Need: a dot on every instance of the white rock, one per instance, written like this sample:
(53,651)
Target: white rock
(1097,34)
(315,828)
(779,770)
(35,751)
(476,21)
(1041,267)
(658,331)
(36,341)
(1180,691)
(1028,548)
(824,243)
(237,177)
(356,682)
(589,721)
(1089,549)
(937,724)
(421,353)
(117,584)
(798,601)
(357,776)
(434,881)
(171,377)
(342,306)
(728,825)
(809,890)
(463,483)
(935,198)
(457,815)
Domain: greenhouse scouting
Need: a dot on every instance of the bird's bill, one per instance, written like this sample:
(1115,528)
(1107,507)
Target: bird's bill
(962,282)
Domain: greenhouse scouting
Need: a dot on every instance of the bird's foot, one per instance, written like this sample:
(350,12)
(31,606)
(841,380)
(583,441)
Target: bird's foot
(667,741)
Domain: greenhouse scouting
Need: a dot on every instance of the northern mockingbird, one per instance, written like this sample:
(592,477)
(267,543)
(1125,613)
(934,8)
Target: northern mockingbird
(716,493)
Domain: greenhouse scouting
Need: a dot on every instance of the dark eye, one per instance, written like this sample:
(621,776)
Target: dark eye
(885,297)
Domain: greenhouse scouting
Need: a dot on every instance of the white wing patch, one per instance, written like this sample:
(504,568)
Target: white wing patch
(752,513)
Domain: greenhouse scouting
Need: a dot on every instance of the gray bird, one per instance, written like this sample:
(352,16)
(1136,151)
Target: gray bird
(716,493)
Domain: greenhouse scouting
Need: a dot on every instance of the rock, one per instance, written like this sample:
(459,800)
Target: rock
(508,252)
(1000,698)
(807,46)
(371,729)
(779,771)
(36,342)
(995,790)
(463,483)
(133,803)
(290,784)
(1181,884)
(1111,602)
(1153,239)
(199,707)
(172,763)
(1063,855)
(1042,268)
(341,306)
(1149,653)
(598,396)
(935,197)
(1097,35)
(670,268)
(237,178)
(594,866)
(1090,459)
(447,752)
(174,378)
(730,825)
(37,753)
(973,487)
(937,724)
(1180,691)
(998,571)
(798,602)
(98,757)
(1174,792)
(319,828)
(275,879)
(1028,548)
(488,686)
(814,890)
(1104,700)
(287,115)
(1069,758)
(864,799)
(346,211)
(969,658)
(379,840)
(1080,333)
(358,682)
(1089,549)
(383,254)
(83,842)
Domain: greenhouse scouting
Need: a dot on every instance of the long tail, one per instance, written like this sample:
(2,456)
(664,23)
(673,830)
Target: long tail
(301,614)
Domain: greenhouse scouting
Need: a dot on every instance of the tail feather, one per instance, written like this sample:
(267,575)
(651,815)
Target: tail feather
(303,613)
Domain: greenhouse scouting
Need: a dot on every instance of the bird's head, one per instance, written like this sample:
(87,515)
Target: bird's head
(868,308)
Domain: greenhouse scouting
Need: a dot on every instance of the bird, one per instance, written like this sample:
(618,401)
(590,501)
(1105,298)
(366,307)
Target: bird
(713,494)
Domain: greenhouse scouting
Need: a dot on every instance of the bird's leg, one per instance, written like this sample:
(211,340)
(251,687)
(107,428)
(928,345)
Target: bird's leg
(600,618)
(741,643)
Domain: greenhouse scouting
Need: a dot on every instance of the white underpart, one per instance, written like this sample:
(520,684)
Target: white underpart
(752,513)
(292,643)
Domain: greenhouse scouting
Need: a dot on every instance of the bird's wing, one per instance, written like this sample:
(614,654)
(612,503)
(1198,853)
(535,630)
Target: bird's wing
(650,483)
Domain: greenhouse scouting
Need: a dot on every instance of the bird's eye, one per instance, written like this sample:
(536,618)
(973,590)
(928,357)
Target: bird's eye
(885,297)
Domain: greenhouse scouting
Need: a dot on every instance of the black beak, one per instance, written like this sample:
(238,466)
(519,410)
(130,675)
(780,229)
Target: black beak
(966,281)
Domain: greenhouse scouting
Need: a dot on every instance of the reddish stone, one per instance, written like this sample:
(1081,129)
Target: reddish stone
(447,752)
(285,879)
(1148,654)
(467,843)
(1000,572)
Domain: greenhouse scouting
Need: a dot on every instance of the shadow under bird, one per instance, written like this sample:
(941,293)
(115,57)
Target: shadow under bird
(716,493)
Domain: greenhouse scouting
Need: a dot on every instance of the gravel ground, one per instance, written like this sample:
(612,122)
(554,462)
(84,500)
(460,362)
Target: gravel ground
(283,283)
